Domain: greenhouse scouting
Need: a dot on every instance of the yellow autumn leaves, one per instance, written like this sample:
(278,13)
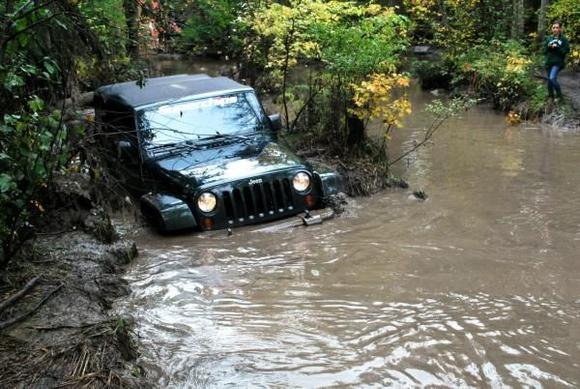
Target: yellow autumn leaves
(382,96)
(517,64)
(575,57)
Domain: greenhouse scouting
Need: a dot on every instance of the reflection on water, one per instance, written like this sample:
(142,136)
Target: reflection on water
(478,286)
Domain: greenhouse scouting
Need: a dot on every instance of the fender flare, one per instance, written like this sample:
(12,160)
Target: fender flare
(330,183)
(167,212)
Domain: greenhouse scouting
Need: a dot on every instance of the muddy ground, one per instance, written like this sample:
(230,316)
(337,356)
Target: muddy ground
(566,115)
(59,331)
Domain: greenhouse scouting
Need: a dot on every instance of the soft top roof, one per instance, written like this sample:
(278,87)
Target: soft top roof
(162,89)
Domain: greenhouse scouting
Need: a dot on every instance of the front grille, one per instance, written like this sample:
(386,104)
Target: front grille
(257,201)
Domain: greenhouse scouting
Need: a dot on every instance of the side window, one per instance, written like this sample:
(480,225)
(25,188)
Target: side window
(256,106)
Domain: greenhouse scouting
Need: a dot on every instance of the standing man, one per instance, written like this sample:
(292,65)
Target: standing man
(555,49)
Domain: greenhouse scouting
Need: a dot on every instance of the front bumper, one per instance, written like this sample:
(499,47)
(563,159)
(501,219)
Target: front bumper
(243,202)
(257,200)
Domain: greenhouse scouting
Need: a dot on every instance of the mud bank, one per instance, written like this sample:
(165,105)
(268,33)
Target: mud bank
(59,331)
(565,114)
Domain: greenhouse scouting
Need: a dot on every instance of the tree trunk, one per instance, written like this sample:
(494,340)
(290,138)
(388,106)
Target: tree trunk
(132,17)
(356,131)
(542,19)
(518,19)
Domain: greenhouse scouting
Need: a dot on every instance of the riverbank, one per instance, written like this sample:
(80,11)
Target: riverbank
(567,114)
(56,326)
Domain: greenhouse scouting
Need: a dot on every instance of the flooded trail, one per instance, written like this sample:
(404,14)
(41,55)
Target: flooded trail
(477,286)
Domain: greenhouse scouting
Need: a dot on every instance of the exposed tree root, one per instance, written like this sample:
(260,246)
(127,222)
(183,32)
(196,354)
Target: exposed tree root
(17,296)
(8,323)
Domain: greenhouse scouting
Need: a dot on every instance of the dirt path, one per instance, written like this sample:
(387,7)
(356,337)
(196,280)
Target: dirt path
(570,83)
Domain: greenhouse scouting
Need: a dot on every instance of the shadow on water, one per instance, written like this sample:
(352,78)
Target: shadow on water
(477,286)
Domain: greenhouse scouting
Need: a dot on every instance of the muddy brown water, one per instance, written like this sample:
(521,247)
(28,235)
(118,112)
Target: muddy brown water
(479,286)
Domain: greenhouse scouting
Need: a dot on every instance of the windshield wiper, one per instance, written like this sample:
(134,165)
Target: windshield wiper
(242,135)
(173,147)
(219,136)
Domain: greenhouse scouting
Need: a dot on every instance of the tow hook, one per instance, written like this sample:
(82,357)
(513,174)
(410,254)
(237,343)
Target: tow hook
(310,220)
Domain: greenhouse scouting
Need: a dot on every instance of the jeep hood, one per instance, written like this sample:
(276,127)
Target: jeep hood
(204,168)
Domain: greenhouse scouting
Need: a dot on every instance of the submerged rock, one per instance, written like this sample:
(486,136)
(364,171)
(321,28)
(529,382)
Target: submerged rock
(420,195)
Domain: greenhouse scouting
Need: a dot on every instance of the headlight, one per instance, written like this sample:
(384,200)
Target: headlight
(206,202)
(301,182)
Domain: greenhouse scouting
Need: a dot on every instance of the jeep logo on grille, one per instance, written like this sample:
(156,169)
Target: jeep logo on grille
(255,181)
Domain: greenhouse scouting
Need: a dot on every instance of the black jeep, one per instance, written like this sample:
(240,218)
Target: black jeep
(202,154)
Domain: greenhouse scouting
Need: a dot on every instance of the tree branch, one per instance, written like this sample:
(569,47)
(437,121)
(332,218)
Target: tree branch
(287,45)
(310,98)
(428,134)
(29,27)
(17,296)
(8,323)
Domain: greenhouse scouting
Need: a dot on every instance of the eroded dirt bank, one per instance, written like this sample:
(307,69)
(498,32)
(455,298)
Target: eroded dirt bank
(56,328)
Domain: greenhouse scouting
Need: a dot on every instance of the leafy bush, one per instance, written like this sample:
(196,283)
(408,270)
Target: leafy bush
(34,146)
(107,19)
(456,24)
(343,41)
(373,42)
(209,29)
(41,48)
(537,101)
(498,70)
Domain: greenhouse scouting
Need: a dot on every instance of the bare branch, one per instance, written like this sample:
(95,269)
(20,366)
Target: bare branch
(308,101)
(8,323)
(17,296)
(428,134)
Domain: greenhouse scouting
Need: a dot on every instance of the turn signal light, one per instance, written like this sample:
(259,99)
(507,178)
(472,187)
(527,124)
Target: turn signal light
(309,201)
(207,223)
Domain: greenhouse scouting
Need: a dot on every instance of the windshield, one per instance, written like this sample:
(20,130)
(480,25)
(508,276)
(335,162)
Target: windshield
(202,118)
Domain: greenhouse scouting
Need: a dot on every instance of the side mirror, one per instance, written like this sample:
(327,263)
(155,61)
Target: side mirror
(275,122)
(124,150)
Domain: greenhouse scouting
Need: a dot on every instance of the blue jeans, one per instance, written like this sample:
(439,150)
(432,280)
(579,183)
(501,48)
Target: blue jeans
(553,84)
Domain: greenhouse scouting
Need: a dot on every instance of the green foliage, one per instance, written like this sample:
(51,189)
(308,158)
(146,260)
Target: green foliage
(538,100)
(500,70)
(442,110)
(456,24)
(210,27)
(106,19)
(349,39)
(33,144)
(370,44)
(33,136)
(343,44)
